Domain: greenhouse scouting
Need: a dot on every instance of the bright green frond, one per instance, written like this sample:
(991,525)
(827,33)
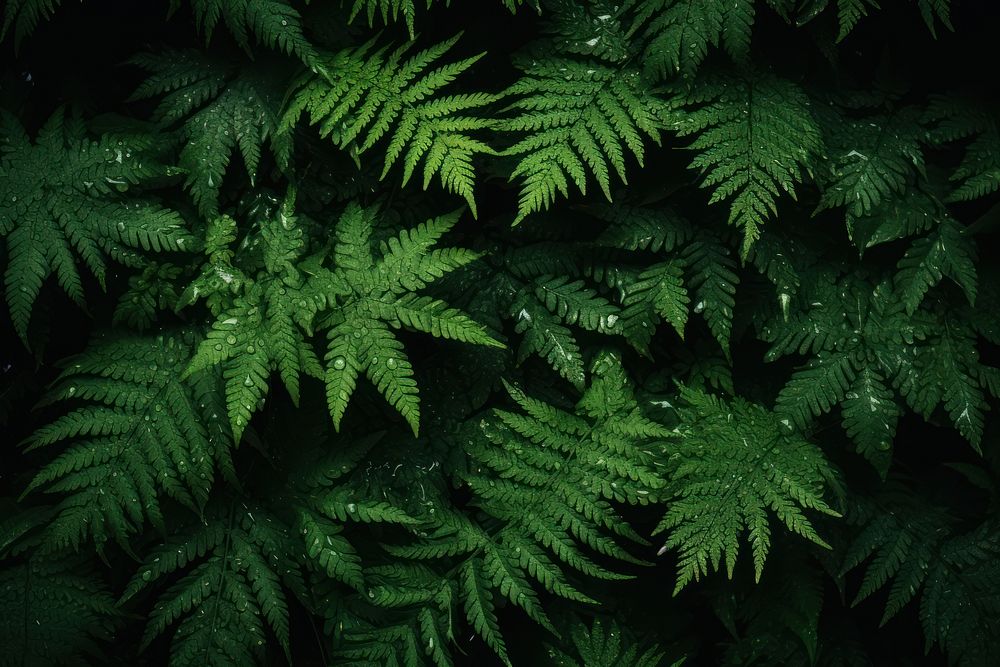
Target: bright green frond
(577,121)
(366,94)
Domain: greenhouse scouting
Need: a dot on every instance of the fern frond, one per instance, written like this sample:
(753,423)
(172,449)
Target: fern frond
(545,335)
(679,33)
(375,294)
(870,415)
(912,545)
(643,228)
(479,607)
(755,138)
(874,159)
(946,251)
(713,280)
(607,644)
(62,202)
(234,566)
(264,329)
(735,463)
(547,478)
(366,94)
(658,294)
(274,23)
(140,435)
(223,110)
(860,337)
(395,10)
(149,292)
(55,611)
(578,120)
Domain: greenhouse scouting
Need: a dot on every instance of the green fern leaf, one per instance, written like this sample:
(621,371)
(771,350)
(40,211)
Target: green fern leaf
(755,139)
(870,415)
(678,34)
(712,280)
(479,608)
(274,23)
(947,251)
(262,330)
(544,335)
(223,109)
(607,644)
(659,293)
(375,295)
(913,544)
(366,94)
(141,434)
(55,611)
(394,10)
(876,159)
(234,565)
(849,12)
(578,118)
(151,291)
(736,463)
(61,200)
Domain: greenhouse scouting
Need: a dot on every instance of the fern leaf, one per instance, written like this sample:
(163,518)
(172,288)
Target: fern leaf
(274,23)
(544,335)
(643,228)
(658,294)
(479,608)
(606,644)
(913,544)
(264,329)
(575,304)
(231,587)
(679,33)
(849,12)
(56,611)
(816,388)
(335,555)
(223,110)
(712,280)
(579,119)
(140,435)
(947,251)
(877,157)
(366,94)
(736,462)
(870,414)
(376,294)
(63,201)
(755,139)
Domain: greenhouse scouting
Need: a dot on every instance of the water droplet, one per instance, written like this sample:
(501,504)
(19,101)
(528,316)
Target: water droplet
(339,363)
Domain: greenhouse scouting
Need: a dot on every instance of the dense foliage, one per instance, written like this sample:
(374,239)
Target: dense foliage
(556,332)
